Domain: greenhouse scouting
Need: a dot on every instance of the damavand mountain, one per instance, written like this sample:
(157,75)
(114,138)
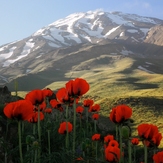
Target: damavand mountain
(82,42)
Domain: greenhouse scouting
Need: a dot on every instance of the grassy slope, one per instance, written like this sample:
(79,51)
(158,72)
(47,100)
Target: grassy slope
(122,82)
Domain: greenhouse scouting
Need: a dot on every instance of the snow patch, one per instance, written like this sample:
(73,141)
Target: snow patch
(39,56)
(7,55)
(132,30)
(54,45)
(144,69)
(126,52)
(122,34)
(111,31)
(26,50)
(134,39)
(149,63)
(28,70)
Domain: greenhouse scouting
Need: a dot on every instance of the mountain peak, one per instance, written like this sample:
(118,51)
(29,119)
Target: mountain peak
(92,27)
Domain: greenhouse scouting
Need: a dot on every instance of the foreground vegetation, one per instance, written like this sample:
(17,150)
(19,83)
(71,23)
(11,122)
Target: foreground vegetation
(63,129)
(113,84)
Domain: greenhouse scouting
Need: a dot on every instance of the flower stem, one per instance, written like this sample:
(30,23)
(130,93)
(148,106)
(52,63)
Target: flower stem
(67,134)
(87,120)
(96,150)
(49,142)
(129,151)
(95,121)
(145,153)
(20,145)
(74,125)
(39,134)
(34,129)
(120,142)
(134,147)
(35,159)
(116,128)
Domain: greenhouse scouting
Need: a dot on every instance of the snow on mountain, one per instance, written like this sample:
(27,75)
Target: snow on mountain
(78,28)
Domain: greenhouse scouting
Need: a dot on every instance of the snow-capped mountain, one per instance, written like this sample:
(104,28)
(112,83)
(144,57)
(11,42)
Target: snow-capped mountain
(78,29)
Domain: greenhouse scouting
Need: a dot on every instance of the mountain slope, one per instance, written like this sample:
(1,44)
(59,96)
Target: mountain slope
(155,35)
(76,39)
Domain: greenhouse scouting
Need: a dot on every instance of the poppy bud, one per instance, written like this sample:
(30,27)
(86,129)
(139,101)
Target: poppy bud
(29,139)
(125,132)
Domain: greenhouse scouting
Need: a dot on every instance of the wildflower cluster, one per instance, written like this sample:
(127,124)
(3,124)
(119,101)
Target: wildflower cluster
(63,122)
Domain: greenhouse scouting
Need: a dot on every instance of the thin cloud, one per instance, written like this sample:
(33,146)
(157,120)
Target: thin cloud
(146,5)
(141,7)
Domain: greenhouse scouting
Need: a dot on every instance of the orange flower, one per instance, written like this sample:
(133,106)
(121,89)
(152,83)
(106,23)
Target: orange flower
(94,108)
(34,117)
(113,143)
(96,137)
(77,87)
(20,110)
(158,157)
(36,97)
(62,128)
(157,139)
(47,92)
(120,113)
(62,96)
(88,103)
(48,110)
(95,116)
(42,106)
(79,159)
(108,138)
(79,109)
(135,141)
(55,104)
(150,135)
(112,154)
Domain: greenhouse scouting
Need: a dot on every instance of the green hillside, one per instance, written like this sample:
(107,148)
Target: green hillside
(116,81)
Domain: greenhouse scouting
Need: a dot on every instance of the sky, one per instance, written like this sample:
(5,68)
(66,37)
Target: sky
(21,18)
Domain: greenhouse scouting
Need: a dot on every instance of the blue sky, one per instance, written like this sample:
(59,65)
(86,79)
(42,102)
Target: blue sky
(21,18)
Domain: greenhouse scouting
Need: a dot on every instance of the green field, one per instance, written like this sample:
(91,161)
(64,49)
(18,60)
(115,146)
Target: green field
(118,81)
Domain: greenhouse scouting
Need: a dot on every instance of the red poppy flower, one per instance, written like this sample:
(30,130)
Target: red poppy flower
(72,101)
(20,110)
(79,109)
(113,143)
(88,103)
(135,141)
(42,106)
(48,110)
(77,87)
(157,139)
(150,135)
(154,142)
(96,137)
(94,108)
(62,128)
(62,96)
(34,117)
(95,116)
(120,113)
(36,97)
(79,159)
(108,138)
(147,131)
(47,92)
(158,157)
(55,104)
(112,154)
